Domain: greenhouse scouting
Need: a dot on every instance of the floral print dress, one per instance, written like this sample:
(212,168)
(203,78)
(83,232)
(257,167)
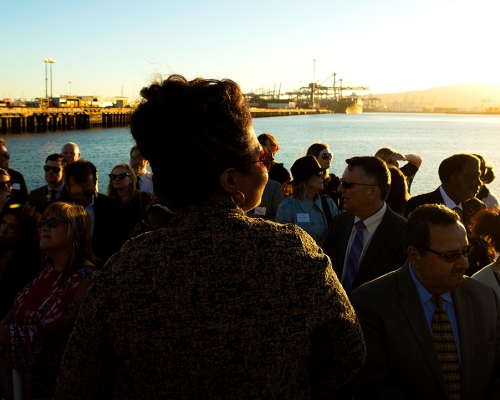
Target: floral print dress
(41,329)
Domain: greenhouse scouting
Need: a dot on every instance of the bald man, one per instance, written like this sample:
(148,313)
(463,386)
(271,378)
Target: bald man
(71,152)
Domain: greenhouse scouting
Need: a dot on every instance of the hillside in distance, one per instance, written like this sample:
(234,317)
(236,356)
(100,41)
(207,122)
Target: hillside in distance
(464,95)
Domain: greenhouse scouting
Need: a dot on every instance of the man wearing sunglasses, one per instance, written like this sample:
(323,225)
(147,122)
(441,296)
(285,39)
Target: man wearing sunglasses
(430,332)
(19,188)
(108,231)
(55,188)
(365,241)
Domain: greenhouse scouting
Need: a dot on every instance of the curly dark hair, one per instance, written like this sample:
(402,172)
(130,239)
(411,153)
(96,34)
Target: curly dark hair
(190,131)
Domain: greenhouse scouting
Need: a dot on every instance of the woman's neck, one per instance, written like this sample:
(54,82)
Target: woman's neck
(59,260)
(311,194)
(123,195)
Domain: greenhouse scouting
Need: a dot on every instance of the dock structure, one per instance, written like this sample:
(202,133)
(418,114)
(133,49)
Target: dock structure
(39,120)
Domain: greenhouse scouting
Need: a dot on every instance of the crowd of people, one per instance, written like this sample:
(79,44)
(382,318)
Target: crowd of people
(251,282)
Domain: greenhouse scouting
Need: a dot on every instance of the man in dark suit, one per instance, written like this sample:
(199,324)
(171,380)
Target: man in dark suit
(19,189)
(459,175)
(55,188)
(430,332)
(108,231)
(361,255)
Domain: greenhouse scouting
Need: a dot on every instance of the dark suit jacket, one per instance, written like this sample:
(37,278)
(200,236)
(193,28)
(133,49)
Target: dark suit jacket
(479,257)
(402,361)
(40,197)
(109,231)
(18,195)
(385,252)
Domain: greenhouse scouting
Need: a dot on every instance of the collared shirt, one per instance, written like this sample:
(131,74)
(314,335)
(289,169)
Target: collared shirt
(371,225)
(91,211)
(447,201)
(58,190)
(146,182)
(429,308)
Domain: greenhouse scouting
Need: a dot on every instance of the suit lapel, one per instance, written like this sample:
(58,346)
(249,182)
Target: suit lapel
(412,307)
(342,242)
(465,323)
(373,250)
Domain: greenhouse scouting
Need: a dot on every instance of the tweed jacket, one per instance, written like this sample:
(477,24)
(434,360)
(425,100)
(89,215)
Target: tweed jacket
(217,305)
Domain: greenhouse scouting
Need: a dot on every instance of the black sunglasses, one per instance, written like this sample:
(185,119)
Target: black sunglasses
(348,184)
(453,256)
(325,156)
(5,185)
(265,157)
(47,168)
(119,177)
(51,222)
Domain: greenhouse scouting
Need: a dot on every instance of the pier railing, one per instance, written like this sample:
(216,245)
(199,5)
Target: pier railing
(38,120)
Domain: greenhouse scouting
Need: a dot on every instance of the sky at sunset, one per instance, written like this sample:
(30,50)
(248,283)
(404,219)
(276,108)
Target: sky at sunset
(388,45)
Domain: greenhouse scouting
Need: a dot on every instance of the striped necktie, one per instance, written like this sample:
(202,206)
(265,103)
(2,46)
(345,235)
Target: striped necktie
(354,256)
(446,349)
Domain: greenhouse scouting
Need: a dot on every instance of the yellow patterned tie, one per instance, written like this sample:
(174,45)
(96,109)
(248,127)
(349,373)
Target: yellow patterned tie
(446,349)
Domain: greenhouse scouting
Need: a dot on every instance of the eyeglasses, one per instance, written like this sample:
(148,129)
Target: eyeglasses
(52,222)
(265,157)
(348,184)
(119,177)
(451,257)
(47,168)
(326,156)
(5,185)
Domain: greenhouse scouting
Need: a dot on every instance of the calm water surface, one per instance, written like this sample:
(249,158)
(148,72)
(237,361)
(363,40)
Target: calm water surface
(434,136)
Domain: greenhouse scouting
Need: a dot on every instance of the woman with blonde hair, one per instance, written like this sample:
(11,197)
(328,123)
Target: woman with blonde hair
(306,207)
(123,186)
(331,181)
(35,332)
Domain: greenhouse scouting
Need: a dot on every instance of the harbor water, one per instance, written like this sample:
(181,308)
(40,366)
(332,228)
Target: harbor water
(434,136)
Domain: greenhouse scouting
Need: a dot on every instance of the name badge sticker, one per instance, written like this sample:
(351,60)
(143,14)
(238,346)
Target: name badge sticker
(303,217)
(260,211)
(16,186)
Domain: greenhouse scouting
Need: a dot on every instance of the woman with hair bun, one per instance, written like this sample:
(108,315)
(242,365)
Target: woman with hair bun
(487,176)
(485,227)
(218,304)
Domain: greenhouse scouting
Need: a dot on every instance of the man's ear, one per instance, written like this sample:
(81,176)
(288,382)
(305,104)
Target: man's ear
(414,256)
(374,192)
(227,180)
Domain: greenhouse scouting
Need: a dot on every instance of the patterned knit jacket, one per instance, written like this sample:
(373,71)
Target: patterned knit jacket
(218,305)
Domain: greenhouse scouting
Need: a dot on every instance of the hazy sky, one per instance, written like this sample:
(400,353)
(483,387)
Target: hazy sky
(387,45)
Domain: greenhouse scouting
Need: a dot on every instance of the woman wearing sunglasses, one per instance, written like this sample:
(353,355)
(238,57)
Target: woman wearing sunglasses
(306,207)
(331,181)
(218,304)
(123,186)
(34,333)
(5,188)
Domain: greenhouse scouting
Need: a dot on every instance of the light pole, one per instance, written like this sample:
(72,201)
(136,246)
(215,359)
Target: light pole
(48,61)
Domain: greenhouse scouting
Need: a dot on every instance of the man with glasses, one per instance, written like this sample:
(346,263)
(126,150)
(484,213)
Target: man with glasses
(430,332)
(366,241)
(459,175)
(19,188)
(55,188)
(108,231)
